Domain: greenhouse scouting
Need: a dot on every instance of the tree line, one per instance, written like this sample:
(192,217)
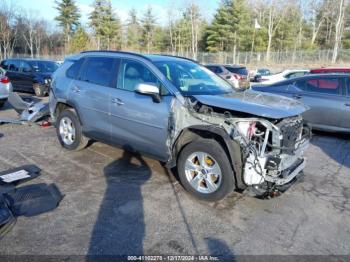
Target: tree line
(237,26)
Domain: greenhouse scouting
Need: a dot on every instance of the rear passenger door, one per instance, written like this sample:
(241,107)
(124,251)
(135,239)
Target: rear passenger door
(25,76)
(139,123)
(323,96)
(90,94)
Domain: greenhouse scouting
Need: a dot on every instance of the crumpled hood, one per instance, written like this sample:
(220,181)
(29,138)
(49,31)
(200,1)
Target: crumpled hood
(255,103)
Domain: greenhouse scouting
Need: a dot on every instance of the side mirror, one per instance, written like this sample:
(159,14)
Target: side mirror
(148,89)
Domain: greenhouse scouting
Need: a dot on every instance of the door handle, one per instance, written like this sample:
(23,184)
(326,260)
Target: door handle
(347,104)
(297,96)
(76,89)
(117,101)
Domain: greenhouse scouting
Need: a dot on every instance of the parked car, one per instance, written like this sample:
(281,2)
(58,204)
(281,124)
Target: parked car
(29,75)
(286,74)
(5,87)
(325,70)
(257,75)
(182,114)
(327,95)
(235,74)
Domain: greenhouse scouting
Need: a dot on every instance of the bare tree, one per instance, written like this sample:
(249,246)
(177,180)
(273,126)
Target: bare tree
(275,16)
(8,33)
(339,26)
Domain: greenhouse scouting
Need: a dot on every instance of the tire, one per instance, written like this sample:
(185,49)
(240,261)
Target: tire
(38,90)
(69,131)
(216,155)
(2,103)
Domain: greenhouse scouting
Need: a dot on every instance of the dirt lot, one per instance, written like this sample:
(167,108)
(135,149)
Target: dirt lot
(118,203)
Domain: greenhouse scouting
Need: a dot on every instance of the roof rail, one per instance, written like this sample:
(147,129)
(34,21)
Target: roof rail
(115,52)
(176,56)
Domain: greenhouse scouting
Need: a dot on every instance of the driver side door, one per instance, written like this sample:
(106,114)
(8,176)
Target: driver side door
(138,123)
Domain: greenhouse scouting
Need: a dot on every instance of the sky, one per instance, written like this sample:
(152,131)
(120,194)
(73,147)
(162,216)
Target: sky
(45,8)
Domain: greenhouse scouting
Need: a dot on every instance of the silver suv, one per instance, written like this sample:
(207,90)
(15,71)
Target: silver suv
(182,114)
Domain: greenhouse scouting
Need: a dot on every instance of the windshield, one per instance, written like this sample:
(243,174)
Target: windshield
(193,79)
(44,66)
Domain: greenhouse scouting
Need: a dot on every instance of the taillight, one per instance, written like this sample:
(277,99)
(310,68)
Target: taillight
(4,80)
(238,77)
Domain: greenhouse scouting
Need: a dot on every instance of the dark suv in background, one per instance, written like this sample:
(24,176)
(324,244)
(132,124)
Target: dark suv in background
(29,75)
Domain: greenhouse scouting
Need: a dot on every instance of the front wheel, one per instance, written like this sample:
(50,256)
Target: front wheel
(69,131)
(205,170)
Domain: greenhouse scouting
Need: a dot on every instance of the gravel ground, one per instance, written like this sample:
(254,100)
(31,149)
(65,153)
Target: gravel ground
(119,203)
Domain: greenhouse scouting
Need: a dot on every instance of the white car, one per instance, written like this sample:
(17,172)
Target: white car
(284,75)
(5,87)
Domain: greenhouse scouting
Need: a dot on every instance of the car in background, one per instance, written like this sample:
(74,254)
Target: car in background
(5,87)
(235,74)
(256,75)
(30,75)
(327,95)
(284,75)
(326,70)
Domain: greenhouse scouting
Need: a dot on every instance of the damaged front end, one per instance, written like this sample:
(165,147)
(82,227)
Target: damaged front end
(272,152)
(271,149)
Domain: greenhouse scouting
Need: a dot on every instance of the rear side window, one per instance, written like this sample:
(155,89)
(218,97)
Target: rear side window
(238,70)
(5,64)
(322,85)
(73,70)
(99,71)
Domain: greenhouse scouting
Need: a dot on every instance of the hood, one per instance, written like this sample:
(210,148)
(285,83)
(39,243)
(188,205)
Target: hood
(255,103)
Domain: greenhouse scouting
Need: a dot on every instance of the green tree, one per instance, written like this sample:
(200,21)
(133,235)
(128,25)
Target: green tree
(148,24)
(231,27)
(68,17)
(80,41)
(106,25)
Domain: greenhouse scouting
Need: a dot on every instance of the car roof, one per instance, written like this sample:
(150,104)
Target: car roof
(310,76)
(28,60)
(149,57)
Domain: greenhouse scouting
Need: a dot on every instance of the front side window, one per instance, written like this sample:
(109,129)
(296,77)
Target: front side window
(132,73)
(99,71)
(192,79)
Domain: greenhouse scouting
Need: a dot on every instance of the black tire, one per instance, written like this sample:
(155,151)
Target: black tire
(214,149)
(80,141)
(2,103)
(38,90)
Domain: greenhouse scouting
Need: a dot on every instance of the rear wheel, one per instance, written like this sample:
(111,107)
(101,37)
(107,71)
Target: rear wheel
(205,170)
(69,131)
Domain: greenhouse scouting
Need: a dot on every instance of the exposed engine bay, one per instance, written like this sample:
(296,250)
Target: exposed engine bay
(271,149)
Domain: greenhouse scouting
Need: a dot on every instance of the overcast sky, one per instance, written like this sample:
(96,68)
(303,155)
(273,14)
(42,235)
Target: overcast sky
(45,8)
